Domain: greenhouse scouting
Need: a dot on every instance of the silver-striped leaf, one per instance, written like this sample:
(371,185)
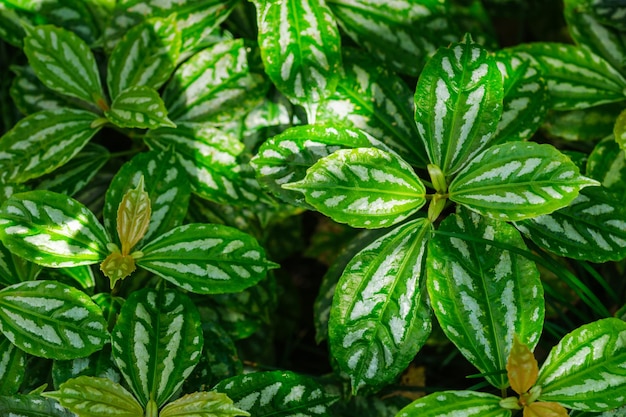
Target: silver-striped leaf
(139,107)
(526,99)
(277,394)
(51,320)
(99,364)
(380,318)
(363,187)
(458,102)
(88,396)
(518,180)
(32,406)
(610,12)
(619,131)
(64,63)
(301,48)
(400,34)
(11,29)
(589,125)
(74,15)
(576,77)
(157,341)
(44,141)
(202,404)
(52,230)
(30,95)
(206,258)
(483,294)
(215,85)
(591,228)
(586,370)
(15,269)
(378,102)
(146,55)
(12,364)
(456,403)
(285,158)
(166,183)
(607,164)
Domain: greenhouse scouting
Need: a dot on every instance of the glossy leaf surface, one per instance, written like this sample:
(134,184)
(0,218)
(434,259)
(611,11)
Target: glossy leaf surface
(139,107)
(456,403)
(202,404)
(12,364)
(522,369)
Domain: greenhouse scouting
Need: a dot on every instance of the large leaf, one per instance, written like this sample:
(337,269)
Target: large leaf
(32,406)
(363,187)
(157,341)
(73,15)
(12,364)
(587,369)
(43,141)
(207,259)
(99,364)
(52,230)
(482,293)
(51,320)
(202,404)
(516,181)
(139,107)
(64,63)
(146,56)
(277,394)
(379,318)
(456,403)
(300,47)
(458,102)
(30,95)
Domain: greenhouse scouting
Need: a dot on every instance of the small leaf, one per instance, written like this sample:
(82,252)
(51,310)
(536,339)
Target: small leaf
(117,266)
(516,181)
(456,403)
(51,320)
(32,406)
(363,187)
(206,258)
(133,217)
(202,404)
(544,409)
(522,368)
(89,396)
(139,107)
(620,130)
(12,364)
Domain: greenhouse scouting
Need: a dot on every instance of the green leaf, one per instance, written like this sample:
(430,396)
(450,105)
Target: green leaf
(15,269)
(12,364)
(586,370)
(82,275)
(202,404)
(52,230)
(51,320)
(32,406)
(620,130)
(73,15)
(157,341)
(576,77)
(286,157)
(379,319)
(378,102)
(516,181)
(30,95)
(215,85)
(456,403)
(44,141)
(277,394)
(146,56)
(96,397)
(64,63)
(99,364)
(458,102)
(206,258)
(363,187)
(139,107)
(589,125)
(300,47)
(11,29)
(482,293)
(607,164)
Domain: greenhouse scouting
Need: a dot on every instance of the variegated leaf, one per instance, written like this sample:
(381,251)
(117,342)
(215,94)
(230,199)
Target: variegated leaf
(166,182)
(610,12)
(206,259)
(202,404)
(139,107)
(300,47)
(52,230)
(517,181)
(379,318)
(525,99)
(482,294)
(44,141)
(99,364)
(15,269)
(215,85)
(576,77)
(64,63)
(620,130)
(51,320)
(12,364)
(277,394)
(146,56)
(31,406)
(589,125)
(133,216)
(11,29)
(82,275)
(88,396)
(285,158)
(30,95)
(363,187)
(458,102)
(377,101)
(587,369)
(399,34)
(73,15)
(456,403)
(607,164)
(591,228)
(521,367)
(157,341)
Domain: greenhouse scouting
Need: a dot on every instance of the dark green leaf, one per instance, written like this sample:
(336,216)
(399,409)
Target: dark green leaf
(588,125)
(99,364)
(453,403)
(12,364)
(620,130)
(30,95)
(139,107)
(15,269)
(73,15)
(32,406)
(11,29)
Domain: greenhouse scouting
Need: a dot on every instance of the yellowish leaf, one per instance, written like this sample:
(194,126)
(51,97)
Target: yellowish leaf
(117,266)
(545,409)
(522,368)
(133,217)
